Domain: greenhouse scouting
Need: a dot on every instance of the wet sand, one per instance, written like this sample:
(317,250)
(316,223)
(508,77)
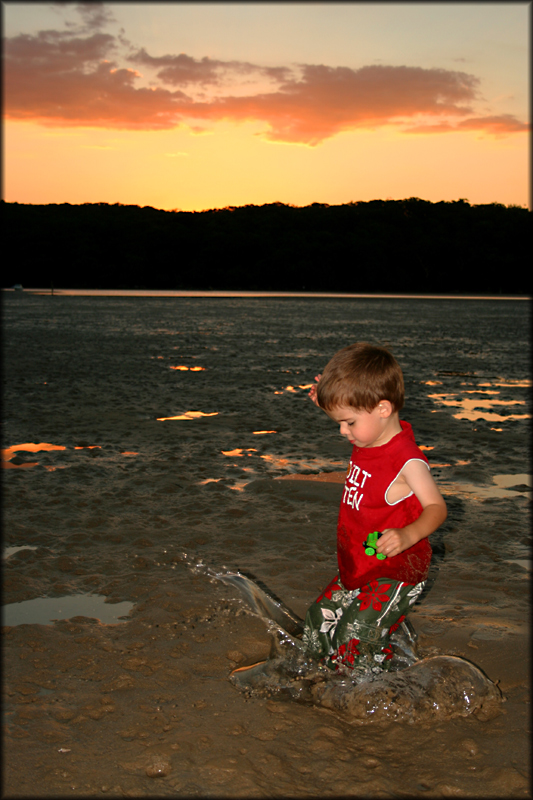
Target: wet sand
(144,707)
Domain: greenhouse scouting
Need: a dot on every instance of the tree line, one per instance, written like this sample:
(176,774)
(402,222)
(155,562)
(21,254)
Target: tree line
(397,246)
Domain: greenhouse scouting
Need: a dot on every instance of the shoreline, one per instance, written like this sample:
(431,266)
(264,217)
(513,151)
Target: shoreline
(230,293)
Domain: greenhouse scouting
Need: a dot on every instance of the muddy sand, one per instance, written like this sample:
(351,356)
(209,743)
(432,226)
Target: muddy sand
(123,479)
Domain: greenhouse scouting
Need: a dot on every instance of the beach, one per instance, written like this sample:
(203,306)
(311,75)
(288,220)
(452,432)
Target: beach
(143,434)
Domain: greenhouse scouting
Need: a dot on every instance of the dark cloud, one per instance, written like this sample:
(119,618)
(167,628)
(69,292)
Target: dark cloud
(182,69)
(94,15)
(76,77)
(71,80)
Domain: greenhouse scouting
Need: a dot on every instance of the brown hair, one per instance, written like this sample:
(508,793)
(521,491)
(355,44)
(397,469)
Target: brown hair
(359,376)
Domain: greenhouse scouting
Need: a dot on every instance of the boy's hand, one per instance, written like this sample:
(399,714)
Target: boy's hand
(394,541)
(312,391)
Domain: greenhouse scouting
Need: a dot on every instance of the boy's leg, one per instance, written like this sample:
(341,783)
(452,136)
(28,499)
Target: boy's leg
(362,638)
(323,617)
(353,628)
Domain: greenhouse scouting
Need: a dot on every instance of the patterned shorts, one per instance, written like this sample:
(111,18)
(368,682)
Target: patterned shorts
(352,629)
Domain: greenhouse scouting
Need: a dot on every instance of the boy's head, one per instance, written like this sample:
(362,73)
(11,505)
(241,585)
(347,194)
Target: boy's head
(359,376)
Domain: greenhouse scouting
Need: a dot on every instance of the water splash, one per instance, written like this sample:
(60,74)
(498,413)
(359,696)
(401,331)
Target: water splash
(413,690)
(441,686)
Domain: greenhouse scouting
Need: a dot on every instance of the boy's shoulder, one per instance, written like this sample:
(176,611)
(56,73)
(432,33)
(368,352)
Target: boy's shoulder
(406,443)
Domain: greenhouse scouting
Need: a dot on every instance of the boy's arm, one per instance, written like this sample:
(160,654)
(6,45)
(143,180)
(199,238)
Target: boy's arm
(419,479)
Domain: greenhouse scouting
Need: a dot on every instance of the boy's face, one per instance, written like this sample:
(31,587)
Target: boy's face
(364,428)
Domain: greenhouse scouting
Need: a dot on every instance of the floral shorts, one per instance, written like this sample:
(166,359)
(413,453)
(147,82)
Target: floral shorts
(352,629)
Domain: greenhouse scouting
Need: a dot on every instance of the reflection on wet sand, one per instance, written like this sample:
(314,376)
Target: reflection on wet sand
(9,465)
(294,390)
(189,369)
(511,485)
(189,415)
(486,402)
(295,465)
(292,466)
(504,486)
(472,409)
(30,447)
(8,454)
(324,477)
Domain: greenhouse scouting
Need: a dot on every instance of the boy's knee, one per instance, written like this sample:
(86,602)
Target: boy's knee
(367,632)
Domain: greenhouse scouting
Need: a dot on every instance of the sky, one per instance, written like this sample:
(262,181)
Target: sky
(198,105)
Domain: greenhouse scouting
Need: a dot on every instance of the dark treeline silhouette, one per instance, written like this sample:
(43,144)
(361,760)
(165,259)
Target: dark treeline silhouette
(396,246)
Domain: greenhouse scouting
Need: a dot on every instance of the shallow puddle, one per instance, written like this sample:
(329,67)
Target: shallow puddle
(8,551)
(9,459)
(483,406)
(504,486)
(45,610)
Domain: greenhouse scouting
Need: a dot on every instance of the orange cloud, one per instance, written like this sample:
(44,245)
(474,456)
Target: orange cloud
(501,125)
(323,101)
(68,80)
(77,77)
(497,125)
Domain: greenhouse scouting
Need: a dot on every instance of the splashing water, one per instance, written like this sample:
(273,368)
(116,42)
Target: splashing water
(413,690)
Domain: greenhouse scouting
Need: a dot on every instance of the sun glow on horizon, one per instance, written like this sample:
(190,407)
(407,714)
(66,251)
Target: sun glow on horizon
(233,168)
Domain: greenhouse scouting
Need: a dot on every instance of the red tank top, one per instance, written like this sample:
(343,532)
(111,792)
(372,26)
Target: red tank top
(364,509)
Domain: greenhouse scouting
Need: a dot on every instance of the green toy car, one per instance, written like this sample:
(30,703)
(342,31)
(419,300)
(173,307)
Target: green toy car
(370,546)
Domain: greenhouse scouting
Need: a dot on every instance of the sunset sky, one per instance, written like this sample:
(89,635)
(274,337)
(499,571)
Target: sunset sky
(206,105)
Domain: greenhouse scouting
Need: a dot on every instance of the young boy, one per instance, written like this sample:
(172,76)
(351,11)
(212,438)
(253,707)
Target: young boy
(388,490)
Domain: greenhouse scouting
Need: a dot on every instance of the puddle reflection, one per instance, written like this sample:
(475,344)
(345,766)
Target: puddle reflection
(293,389)
(189,369)
(189,415)
(485,404)
(297,465)
(8,454)
(239,451)
(29,447)
(9,465)
(239,486)
(292,467)
(504,486)
(277,462)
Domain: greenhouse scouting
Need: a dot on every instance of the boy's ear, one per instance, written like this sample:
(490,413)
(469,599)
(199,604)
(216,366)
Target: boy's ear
(385,408)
